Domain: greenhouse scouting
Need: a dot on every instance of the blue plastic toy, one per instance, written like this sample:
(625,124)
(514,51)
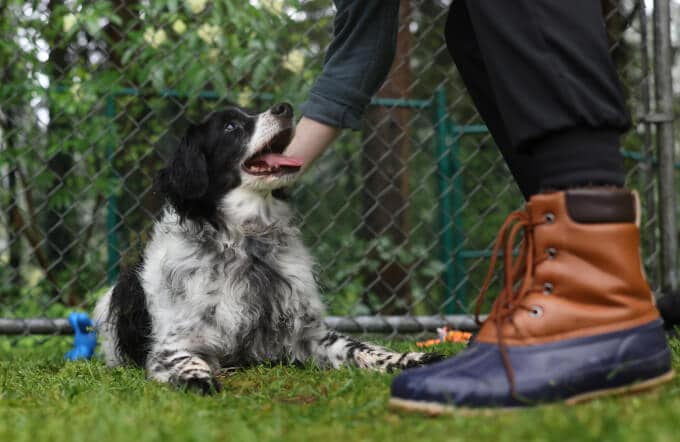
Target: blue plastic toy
(85,340)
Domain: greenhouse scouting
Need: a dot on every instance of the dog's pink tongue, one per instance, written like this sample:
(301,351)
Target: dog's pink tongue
(277,160)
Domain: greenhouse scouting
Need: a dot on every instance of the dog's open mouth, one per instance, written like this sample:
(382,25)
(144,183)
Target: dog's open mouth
(270,161)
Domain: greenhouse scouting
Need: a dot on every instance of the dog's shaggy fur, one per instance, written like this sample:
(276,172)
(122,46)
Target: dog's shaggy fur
(225,280)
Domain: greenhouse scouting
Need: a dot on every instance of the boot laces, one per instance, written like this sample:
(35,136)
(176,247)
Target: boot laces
(518,276)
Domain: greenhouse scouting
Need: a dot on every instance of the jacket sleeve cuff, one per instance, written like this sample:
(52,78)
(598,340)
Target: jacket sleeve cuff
(344,110)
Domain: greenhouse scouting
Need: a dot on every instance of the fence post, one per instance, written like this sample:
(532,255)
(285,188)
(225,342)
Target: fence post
(112,204)
(647,163)
(446,209)
(664,143)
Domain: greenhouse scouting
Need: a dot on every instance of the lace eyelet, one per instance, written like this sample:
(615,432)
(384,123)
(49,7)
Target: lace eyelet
(551,252)
(549,218)
(536,311)
(548,288)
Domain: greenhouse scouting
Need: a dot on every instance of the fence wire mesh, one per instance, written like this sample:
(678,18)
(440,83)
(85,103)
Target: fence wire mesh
(400,215)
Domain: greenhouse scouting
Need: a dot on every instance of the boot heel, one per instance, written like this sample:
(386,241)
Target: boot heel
(648,385)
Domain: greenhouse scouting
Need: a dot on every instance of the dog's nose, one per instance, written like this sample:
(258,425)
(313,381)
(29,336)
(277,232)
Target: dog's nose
(282,110)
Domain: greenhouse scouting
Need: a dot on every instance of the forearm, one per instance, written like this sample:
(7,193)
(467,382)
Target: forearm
(311,140)
(356,64)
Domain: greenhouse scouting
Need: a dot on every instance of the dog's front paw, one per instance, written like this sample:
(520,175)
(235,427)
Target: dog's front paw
(427,358)
(197,376)
(200,384)
(415,359)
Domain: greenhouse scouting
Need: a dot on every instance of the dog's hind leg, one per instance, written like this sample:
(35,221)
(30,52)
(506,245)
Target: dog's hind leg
(336,350)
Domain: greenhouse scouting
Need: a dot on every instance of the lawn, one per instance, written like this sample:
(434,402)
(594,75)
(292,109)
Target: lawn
(44,398)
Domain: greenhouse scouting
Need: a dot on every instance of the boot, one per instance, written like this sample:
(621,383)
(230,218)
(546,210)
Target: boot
(575,319)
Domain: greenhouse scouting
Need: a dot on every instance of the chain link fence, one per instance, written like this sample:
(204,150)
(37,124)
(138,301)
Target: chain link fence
(400,215)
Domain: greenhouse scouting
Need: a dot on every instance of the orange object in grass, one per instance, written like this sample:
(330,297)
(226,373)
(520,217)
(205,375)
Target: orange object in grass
(456,336)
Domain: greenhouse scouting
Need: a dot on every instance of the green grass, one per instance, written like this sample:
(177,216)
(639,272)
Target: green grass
(43,398)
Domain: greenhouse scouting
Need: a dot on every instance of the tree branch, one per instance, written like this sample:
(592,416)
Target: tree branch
(28,194)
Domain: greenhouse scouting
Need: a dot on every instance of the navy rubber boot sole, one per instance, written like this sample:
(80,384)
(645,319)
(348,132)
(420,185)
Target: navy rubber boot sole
(569,371)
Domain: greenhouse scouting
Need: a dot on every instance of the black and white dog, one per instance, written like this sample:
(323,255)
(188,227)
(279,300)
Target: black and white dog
(225,280)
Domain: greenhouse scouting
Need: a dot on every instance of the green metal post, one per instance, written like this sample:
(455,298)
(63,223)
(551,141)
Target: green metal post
(446,208)
(112,206)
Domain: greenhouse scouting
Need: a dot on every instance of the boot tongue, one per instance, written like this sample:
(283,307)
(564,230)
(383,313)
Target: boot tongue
(275,160)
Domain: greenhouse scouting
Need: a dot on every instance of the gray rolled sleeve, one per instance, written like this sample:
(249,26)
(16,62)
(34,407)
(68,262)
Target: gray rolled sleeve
(357,62)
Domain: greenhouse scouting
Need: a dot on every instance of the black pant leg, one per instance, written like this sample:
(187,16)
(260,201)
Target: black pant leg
(554,84)
(464,49)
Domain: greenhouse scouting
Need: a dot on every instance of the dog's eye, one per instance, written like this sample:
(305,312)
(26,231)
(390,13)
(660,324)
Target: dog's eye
(229,127)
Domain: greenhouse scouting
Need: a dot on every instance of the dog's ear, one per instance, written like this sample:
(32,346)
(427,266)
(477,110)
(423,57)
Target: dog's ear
(186,178)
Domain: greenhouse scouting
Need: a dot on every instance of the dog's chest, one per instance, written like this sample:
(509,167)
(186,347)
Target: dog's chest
(248,289)
(259,285)
(270,293)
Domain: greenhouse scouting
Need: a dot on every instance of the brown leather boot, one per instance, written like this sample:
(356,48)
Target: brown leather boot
(575,318)
(584,274)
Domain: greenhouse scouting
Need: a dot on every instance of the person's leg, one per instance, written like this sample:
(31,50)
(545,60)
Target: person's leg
(466,53)
(553,87)
(576,318)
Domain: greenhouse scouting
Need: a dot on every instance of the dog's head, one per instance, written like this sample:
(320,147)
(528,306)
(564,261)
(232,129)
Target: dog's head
(232,148)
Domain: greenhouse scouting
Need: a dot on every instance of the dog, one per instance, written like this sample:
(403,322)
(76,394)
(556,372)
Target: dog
(225,279)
